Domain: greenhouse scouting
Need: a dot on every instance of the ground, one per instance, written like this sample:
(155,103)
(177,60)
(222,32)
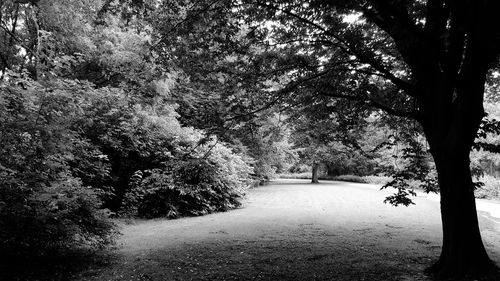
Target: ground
(292,230)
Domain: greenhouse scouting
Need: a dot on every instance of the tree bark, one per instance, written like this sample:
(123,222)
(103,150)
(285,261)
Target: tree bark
(315,168)
(451,128)
(463,252)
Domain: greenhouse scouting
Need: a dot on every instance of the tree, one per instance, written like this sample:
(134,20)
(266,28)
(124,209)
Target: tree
(312,140)
(323,138)
(313,150)
(219,87)
(424,60)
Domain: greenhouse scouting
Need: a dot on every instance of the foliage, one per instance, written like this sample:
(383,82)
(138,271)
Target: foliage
(44,206)
(427,61)
(270,146)
(219,86)
(54,219)
(376,179)
(490,188)
(350,178)
(324,138)
(415,167)
(131,137)
(119,102)
(90,129)
(190,187)
(139,139)
(295,175)
(67,147)
(486,148)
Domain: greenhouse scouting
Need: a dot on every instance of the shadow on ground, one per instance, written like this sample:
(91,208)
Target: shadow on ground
(265,259)
(49,268)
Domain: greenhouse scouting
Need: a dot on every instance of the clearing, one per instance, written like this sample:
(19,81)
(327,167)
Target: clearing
(293,230)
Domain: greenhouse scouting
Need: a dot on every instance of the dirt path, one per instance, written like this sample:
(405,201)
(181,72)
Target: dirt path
(292,230)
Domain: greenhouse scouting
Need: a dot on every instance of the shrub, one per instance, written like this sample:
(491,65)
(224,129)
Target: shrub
(152,194)
(69,150)
(304,175)
(146,148)
(60,217)
(189,187)
(44,207)
(131,138)
(264,171)
(373,179)
(351,178)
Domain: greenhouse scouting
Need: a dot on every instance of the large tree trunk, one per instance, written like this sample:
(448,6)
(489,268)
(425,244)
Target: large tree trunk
(315,168)
(451,128)
(463,252)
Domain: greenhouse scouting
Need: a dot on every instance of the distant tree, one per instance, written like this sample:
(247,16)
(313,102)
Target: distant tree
(321,137)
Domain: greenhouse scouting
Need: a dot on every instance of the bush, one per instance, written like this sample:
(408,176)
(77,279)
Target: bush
(148,152)
(69,150)
(188,188)
(44,207)
(62,217)
(377,179)
(304,175)
(131,138)
(350,178)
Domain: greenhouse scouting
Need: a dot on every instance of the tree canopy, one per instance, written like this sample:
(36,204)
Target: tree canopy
(170,108)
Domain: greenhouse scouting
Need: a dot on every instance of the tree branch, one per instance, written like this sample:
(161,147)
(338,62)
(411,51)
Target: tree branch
(198,13)
(373,103)
(14,37)
(350,48)
(280,95)
(411,42)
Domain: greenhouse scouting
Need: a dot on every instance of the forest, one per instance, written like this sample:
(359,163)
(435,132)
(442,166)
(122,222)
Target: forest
(120,109)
